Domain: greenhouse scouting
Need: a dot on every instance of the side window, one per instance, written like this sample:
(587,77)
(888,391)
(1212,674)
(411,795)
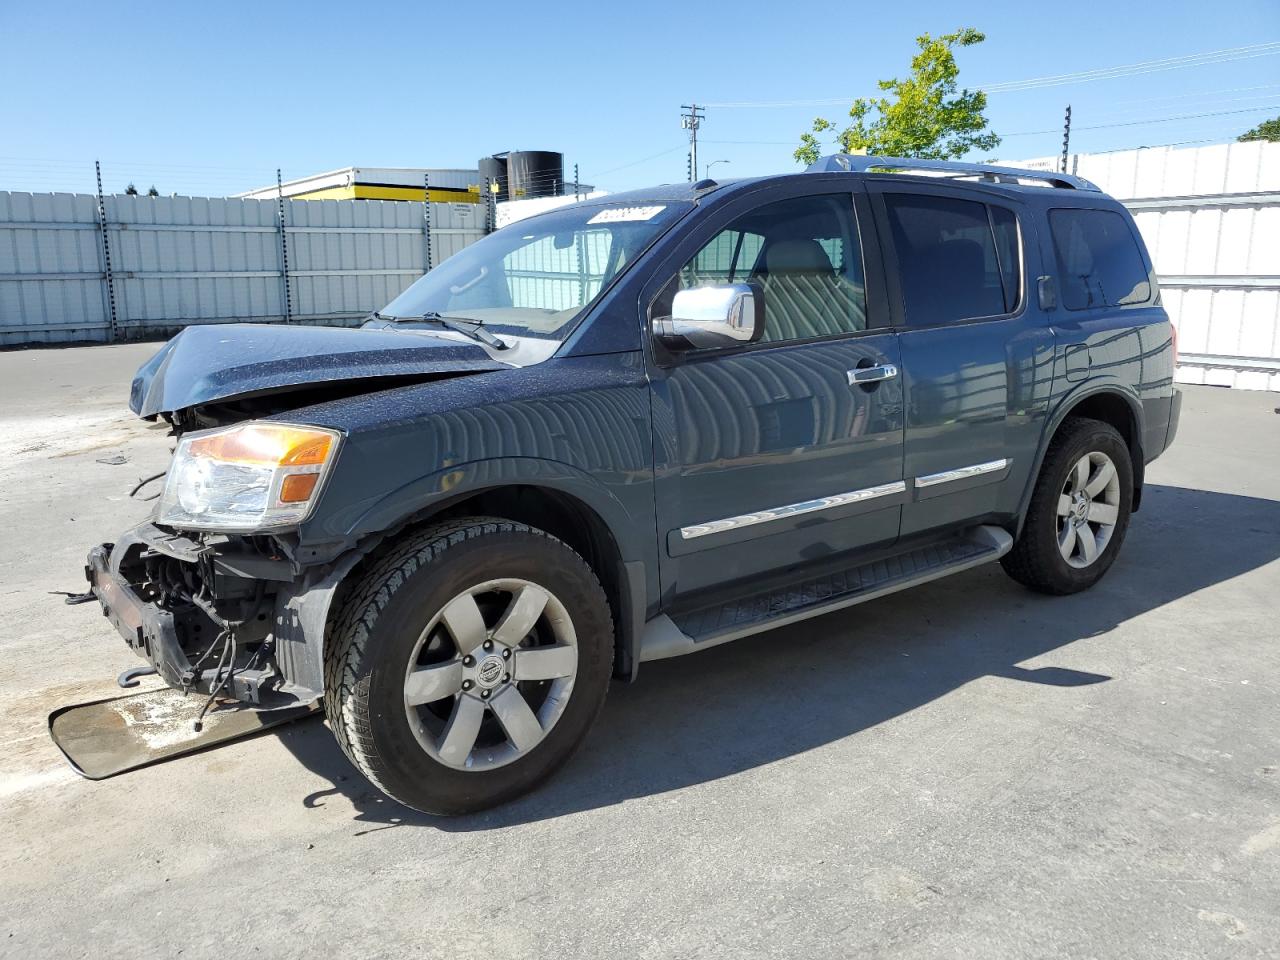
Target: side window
(805,255)
(728,258)
(1098,259)
(948,260)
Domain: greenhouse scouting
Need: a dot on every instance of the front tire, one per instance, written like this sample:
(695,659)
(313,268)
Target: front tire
(1079,510)
(467,664)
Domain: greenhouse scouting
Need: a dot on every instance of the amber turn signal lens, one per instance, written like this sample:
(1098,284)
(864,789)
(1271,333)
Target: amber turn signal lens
(298,487)
(268,445)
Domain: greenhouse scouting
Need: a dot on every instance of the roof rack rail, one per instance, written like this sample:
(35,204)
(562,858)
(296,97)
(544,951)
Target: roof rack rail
(850,163)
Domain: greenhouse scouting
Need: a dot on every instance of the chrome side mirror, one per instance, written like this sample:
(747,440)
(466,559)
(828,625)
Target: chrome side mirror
(718,316)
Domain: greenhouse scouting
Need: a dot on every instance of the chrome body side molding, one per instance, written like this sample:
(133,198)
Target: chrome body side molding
(962,473)
(791,510)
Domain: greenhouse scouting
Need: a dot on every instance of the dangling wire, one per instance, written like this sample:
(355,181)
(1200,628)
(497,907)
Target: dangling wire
(143,483)
(228,647)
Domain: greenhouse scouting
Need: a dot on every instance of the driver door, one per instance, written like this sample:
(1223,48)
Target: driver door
(768,454)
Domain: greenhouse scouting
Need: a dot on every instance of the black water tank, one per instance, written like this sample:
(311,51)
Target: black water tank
(535,173)
(494,169)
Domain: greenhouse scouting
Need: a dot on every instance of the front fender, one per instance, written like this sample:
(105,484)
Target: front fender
(303,610)
(439,490)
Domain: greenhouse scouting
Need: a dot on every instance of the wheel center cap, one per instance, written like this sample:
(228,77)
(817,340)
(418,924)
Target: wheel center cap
(489,673)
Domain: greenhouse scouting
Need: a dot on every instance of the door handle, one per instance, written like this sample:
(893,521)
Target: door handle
(865,375)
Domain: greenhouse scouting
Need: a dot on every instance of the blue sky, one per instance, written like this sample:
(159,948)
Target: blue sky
(211,98)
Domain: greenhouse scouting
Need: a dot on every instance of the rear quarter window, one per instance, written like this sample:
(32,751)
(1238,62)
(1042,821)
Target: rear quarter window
(1099,261)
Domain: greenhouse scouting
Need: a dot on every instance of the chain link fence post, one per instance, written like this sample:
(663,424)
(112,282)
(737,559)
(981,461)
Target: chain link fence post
(426,222)
(113,331)
(284,248)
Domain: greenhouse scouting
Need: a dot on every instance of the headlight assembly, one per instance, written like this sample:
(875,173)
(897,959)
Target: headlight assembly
(250,477)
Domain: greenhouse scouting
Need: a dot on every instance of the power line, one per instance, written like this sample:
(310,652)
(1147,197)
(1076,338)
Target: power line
(1215,103)
(1227,55)
(633,163)
(1198,93)
(756,143)
(1140,123)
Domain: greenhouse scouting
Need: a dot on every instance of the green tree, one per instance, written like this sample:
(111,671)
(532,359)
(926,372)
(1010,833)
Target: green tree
(922,116)
(1266,130)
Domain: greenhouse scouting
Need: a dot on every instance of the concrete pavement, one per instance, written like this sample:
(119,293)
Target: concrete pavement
(962,770)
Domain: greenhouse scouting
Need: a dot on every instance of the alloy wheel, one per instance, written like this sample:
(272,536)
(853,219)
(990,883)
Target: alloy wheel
(491,674)
(1088,509)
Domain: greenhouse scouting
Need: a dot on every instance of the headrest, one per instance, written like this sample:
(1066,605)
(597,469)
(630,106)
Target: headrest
(796,256)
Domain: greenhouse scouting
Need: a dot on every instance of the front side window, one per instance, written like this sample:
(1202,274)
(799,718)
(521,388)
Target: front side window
(1098,259)
(957,259)
(804,254)
(535,277)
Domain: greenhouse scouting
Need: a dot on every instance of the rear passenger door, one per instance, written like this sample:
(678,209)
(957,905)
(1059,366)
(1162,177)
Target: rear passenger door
(977,353)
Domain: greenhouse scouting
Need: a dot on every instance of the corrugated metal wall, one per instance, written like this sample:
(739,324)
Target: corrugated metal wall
(182,260)
(1211,218)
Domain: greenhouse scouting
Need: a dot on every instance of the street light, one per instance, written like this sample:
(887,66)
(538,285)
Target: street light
(712,164)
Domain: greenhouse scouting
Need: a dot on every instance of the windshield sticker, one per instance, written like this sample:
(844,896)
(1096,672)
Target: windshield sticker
(622,214)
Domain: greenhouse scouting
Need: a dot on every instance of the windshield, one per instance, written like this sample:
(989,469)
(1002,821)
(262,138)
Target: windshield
(534,278)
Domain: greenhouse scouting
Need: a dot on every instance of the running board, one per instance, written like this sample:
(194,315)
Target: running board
(692,630)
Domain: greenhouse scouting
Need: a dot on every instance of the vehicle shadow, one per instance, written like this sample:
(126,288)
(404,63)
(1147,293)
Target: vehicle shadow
(745,704)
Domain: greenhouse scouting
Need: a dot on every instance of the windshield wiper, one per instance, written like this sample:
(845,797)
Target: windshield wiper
(468,328)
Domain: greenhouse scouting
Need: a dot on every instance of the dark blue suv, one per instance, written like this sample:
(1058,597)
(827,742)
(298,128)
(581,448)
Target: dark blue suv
(635,427)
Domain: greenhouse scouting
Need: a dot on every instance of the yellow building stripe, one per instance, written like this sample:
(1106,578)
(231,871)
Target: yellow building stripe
(360,191)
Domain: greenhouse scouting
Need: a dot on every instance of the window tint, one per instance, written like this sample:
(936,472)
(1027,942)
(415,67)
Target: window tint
(948,260)
(804,254)
(1098,259)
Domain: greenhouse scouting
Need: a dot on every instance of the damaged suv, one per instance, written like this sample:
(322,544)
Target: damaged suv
(632,428)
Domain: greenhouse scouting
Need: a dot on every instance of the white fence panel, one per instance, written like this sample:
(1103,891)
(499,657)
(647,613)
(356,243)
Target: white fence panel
(177,261)
(51,287)
(183,260)
(346,255)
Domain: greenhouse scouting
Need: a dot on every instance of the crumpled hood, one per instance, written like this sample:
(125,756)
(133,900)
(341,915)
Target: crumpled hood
(204,364)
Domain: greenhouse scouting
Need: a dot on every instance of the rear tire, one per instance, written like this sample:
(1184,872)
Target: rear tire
(1079,510)
(467,664)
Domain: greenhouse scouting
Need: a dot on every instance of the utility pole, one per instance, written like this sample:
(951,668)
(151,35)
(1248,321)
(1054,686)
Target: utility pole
(1066,138)
(691,121)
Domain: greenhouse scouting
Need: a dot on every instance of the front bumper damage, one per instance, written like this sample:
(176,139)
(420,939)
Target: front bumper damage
(218,614)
